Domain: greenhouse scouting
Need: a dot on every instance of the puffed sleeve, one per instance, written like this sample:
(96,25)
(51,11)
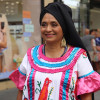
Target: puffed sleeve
(88,79)
(19,75)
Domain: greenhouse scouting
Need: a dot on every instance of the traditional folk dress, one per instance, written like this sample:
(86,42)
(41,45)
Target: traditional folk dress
(63,78)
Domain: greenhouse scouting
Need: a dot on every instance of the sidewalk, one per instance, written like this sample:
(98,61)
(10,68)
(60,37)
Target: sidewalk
(97,95)
(8,94)
(8,84)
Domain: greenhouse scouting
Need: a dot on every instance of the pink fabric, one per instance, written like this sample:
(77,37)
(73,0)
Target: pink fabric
(88,84)
(61,85)
(18,79)
(68,84)
(28,84)
(31,60)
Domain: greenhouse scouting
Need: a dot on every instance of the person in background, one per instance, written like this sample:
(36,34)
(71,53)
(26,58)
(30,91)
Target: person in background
(3,40)
(59,69)
(97,40)
(86,39)
(3,44)
(87,31)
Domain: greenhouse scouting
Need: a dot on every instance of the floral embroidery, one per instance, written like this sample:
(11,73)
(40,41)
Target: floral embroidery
(84,55)
(23,92)
(50,92)
(25,99)
(39,85)
(73,89)
(71,95)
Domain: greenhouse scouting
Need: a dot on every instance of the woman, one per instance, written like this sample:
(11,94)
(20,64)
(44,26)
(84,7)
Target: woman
(3,44)
(3,40)
(56,70)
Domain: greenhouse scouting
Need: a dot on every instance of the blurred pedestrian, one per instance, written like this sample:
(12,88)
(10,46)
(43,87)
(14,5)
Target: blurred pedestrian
(3,40)
(3,43)
(59,69)
(97,40)
(87,31)
(86,39)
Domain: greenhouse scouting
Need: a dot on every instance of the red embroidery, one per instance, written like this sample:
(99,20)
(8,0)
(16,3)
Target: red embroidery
(44,92)
(84,54)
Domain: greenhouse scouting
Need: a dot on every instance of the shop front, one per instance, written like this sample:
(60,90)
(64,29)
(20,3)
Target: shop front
(21,21)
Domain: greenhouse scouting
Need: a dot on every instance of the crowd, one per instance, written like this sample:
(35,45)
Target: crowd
(91,41)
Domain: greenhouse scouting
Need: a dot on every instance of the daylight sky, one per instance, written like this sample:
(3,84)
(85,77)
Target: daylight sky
(71,3)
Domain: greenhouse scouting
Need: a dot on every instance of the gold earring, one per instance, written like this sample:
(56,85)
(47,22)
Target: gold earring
(63,42)
(44,42)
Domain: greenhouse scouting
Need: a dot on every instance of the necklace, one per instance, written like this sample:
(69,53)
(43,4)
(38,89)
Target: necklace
(43,50)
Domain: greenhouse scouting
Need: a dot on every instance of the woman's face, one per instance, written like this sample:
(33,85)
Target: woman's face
(51,30)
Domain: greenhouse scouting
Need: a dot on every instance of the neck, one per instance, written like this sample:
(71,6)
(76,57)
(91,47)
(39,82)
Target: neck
(53,50)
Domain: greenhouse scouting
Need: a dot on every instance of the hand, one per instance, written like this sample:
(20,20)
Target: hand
(94,52)
(3,30)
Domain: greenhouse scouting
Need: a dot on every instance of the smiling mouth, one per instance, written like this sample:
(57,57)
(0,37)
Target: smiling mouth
(49,35)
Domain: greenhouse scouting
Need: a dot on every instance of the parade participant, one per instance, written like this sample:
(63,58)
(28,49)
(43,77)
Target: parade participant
(56,70)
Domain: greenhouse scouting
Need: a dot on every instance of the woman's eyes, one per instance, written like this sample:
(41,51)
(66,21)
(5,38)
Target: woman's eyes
(53,24)
(43,24)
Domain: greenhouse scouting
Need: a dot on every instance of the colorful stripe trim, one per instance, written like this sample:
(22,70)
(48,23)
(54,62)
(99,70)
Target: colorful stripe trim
(86,75)
(67,62)
(31,84)
(36,67)
(61,86)
(65,84)
(41,55)
(21,72)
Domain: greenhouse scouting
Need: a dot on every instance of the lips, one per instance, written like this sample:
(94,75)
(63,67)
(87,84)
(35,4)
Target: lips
(49,35)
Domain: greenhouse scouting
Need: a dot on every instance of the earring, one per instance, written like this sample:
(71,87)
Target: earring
(43,41)
(63,42)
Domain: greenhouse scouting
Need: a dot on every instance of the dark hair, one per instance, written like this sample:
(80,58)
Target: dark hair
(92,30)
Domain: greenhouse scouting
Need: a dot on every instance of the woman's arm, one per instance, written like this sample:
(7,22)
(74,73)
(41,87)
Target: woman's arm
(87,96)
(98,48)
(93,45)
(3,44)
(19,96)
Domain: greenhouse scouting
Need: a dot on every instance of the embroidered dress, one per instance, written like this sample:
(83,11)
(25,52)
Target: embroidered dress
(63,78)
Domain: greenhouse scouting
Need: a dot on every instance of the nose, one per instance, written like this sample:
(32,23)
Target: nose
(48,28)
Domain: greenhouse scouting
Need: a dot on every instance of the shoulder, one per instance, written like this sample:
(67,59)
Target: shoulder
(79,49)
(91,36)
(31,48)
(80,52)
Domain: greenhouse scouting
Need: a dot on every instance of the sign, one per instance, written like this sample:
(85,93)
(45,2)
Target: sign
(27,34)
(26,20)
(26,39)
(26,14)
(29,28)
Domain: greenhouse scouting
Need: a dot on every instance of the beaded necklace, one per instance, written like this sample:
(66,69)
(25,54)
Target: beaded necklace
(43,50)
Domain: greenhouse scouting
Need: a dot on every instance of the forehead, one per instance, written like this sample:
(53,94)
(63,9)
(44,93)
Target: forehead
(49,17)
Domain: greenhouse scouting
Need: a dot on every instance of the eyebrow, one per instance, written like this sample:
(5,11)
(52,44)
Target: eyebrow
(50,22)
